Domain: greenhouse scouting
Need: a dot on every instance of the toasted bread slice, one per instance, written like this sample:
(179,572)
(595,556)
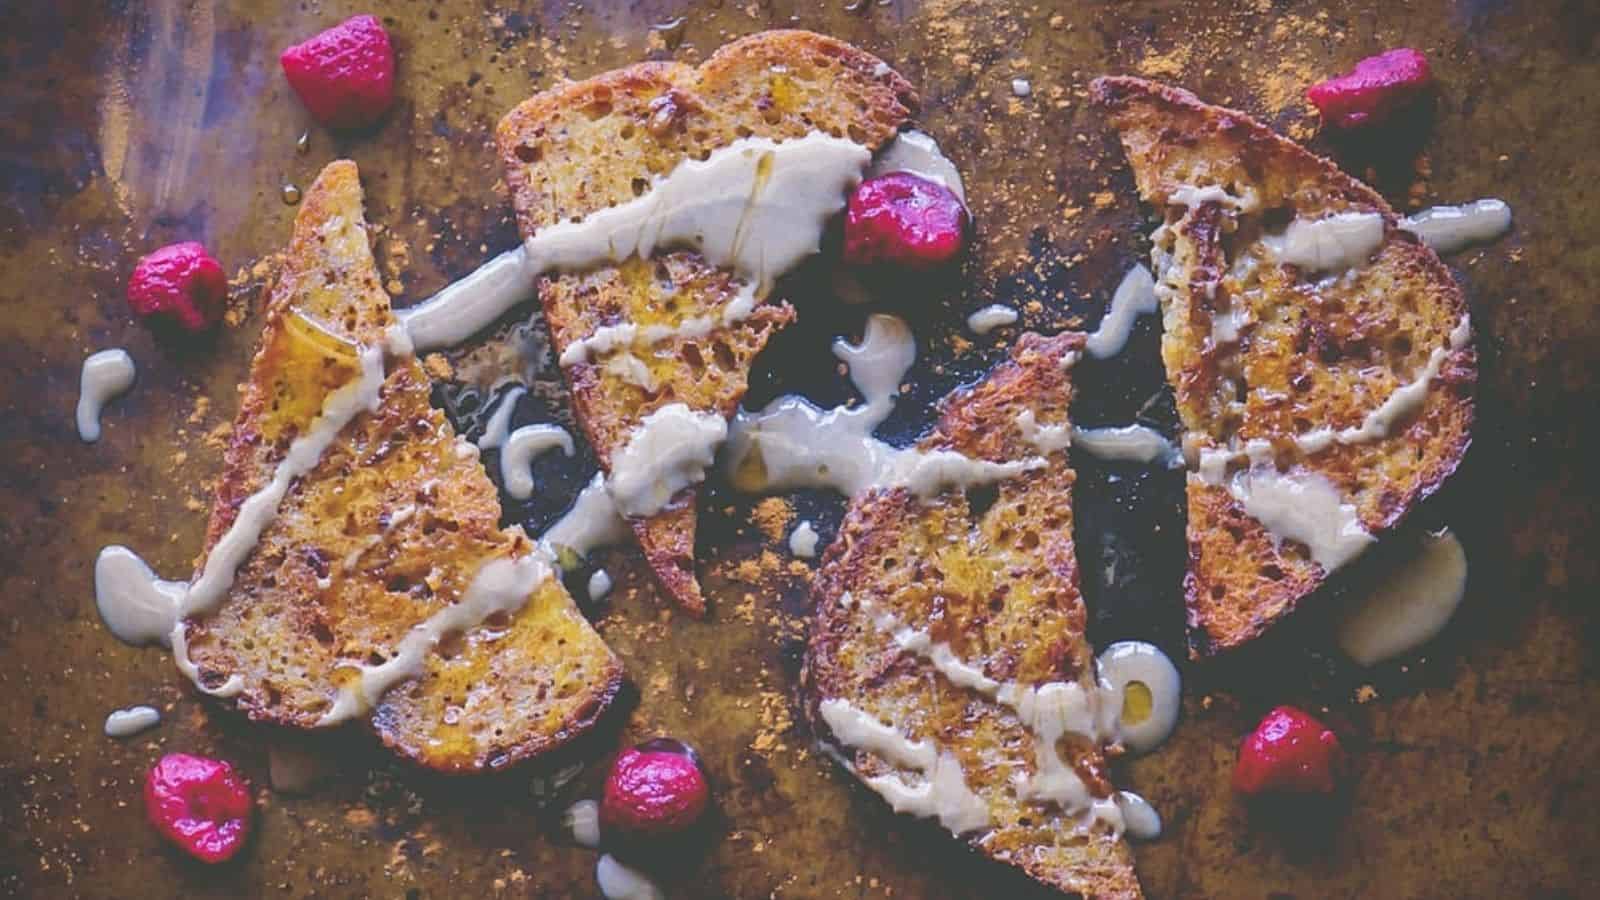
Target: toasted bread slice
(388,528)
(582,147)
(1000,588)
(1262,351)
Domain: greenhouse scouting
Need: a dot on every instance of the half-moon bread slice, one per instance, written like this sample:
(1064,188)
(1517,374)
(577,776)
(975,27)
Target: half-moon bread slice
(387,529)
(998,588)
(1338,374)
(582,147)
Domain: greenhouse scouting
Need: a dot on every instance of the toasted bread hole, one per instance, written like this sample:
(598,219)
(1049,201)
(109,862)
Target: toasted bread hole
(1272,572)
(857,133)
(398,584)
(627,131)
(1217,591)
(376,659)
(640,186)
(1030,540)
(527,153)
(322,633)
(743,131)
(1400,346)
(724,356)
(498,620)
(451,644)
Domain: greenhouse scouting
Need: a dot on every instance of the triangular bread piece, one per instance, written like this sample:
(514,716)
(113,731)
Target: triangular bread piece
(583,147)
(1323,374)
(930,615)
(391,526)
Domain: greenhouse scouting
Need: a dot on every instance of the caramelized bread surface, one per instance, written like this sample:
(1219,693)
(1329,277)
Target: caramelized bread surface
(1313,350)
(999,585)
(583,147)
(388,528)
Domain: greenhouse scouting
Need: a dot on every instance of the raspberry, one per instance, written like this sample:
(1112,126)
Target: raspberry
(1371,92)
(654,790)
(344,75)
(906,220)
(1289,752)
(179,286)
(199,804)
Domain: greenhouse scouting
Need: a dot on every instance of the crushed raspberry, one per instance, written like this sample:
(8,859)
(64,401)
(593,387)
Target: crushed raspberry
(199,804)
(1289,752)
(179,286)
(344,75)
(906,220)
(1375,89)
(654,790)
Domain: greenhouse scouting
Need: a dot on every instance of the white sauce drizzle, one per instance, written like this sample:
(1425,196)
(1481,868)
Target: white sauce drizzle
(918,153)
(106,375)
(1299,505)
(632,370)
(1336,242)
(499,424)
(669,451)
(501,585)
(1410,607)
(756,206)
(1137,662)
(1044,438)
(583,820)
(591,523)
(943,793)
(797,444)
(1135,295)
(621,882)
(1050,711)
(1448,229)
(1135,443)
(599,584)
(803,540)
(516,456)
(129,722)
(1404,402)
(1194,196)
(991,317)
(137,607)
(1143,822)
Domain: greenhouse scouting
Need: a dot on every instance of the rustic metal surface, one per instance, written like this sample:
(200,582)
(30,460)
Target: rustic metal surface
(127,125)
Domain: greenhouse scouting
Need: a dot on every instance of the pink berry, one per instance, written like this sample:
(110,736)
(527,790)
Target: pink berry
(344,75)
(1289,752)
(653,791)
(199,804)
(1374,90)
(179,285)
(905,220)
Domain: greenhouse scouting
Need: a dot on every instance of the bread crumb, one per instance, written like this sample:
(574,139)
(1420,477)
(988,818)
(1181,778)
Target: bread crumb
(773,516)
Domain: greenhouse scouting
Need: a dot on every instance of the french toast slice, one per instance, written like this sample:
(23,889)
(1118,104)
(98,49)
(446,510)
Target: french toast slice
(1357,377)
(387,529)
(582,147)
(997,587)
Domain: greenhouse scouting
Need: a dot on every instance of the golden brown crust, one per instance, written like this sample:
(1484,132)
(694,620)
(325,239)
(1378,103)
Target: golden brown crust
(585,146)
(1000,586)
(387,529)
(1320,352)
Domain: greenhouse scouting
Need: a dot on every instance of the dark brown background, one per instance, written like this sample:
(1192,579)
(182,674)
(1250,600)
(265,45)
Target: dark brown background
(125,125)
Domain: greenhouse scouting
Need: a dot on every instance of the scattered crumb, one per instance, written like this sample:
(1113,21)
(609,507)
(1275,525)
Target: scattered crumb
(1366,693)
(773,516)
